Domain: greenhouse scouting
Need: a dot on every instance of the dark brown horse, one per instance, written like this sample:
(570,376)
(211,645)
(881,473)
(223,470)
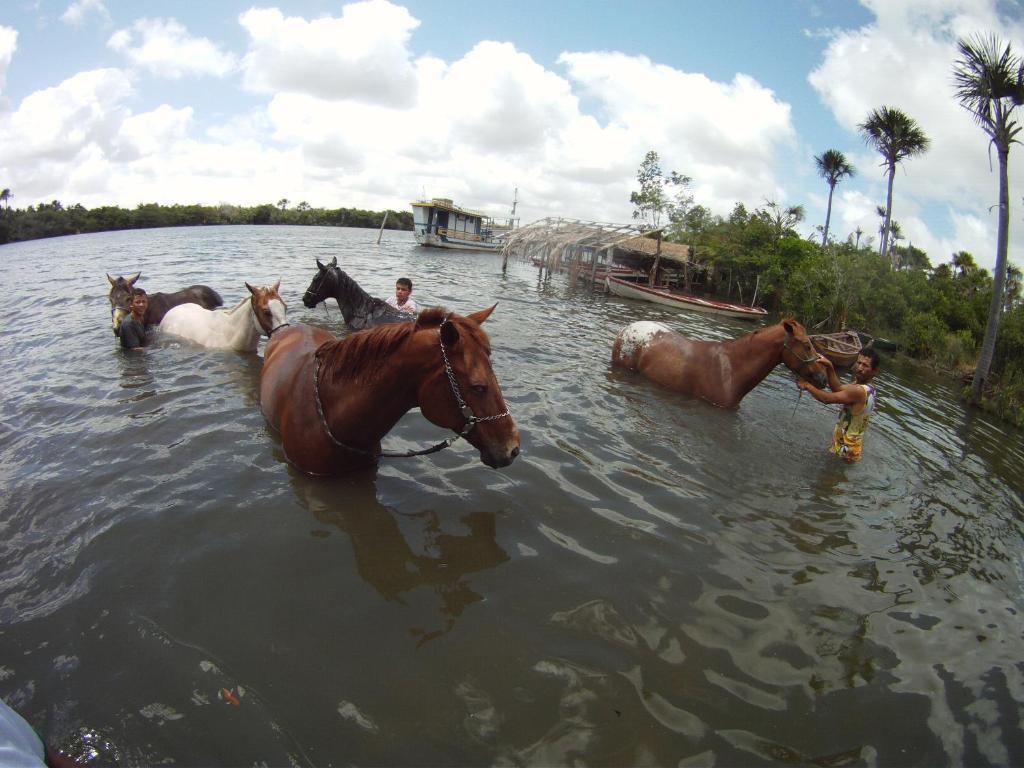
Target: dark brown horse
(120,297)
(721,372)
(333,399)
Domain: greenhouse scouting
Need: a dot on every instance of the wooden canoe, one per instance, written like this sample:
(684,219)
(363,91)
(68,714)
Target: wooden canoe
(841,348)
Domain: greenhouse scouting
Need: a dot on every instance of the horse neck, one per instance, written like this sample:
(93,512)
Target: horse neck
(243,329)
(351,298)
(369,404)
(753,357)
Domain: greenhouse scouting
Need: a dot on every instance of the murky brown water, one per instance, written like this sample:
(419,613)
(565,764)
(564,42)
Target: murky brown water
(654,581)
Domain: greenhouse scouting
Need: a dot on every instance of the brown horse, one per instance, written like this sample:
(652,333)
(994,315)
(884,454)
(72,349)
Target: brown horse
(721,372)
(120,297)
(332,399)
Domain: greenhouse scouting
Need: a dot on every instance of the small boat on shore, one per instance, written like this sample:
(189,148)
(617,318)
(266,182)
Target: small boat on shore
(631,290)
(841,348)
(441,223)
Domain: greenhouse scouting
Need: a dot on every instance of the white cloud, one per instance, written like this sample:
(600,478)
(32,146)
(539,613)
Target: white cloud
(164,48)
(726,136)
(8,45)
(78,12)
(362,55)
(905,60)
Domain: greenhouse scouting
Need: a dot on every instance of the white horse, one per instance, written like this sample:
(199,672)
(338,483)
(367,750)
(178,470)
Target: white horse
(238,328)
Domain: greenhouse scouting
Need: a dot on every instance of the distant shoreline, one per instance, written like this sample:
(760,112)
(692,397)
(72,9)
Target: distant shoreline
(56,220)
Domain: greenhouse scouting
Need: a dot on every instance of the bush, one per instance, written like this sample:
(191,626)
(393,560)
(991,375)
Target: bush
(924,335)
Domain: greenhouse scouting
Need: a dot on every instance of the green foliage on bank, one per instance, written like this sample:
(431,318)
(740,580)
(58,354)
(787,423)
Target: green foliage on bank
(54,219)
(937,316)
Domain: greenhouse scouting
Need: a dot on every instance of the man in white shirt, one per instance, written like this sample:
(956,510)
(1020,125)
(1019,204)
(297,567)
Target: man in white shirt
(403,300)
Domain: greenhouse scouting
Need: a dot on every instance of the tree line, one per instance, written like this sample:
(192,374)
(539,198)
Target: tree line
(54,219)
(955,315)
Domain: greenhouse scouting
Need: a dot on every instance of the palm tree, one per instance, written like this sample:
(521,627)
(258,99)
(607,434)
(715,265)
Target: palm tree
(5,197)
(989,80)
(964,263)
(894,136)
(832,166)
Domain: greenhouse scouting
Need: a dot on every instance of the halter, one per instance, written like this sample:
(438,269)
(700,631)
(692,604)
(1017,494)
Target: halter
(804,360)
(467,412)
(277,328)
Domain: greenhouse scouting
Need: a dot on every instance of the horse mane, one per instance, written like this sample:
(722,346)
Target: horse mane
(358,356)
(237,306)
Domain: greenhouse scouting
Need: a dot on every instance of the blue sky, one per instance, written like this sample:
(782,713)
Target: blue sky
(370,104)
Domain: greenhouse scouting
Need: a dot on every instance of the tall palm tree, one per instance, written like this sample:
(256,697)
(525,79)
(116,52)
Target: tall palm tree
(989,80)
(832,166)
(5,197)
(894,136)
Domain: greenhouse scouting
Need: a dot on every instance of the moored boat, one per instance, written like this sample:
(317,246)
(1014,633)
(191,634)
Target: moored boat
(441,223)
(684,301)
(841,347)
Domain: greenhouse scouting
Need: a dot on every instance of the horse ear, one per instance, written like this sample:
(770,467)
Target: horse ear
(251,289)
(276,285)
(334,261)
(788,326)
(320,266)
(483,314)
(131,280)
(112,280)
(449,334)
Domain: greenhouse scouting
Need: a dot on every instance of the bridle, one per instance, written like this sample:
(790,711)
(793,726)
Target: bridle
(316,282)
(794,353)
(467,412)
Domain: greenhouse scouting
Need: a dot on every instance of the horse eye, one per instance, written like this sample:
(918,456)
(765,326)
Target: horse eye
(478,389)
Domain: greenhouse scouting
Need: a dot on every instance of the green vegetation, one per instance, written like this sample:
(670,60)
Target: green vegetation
(935,315)
(53,219)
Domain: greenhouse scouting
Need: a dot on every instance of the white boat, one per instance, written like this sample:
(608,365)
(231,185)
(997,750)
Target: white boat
(630,290)
(442,224)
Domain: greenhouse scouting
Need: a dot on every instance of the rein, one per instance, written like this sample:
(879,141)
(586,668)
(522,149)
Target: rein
(467,412)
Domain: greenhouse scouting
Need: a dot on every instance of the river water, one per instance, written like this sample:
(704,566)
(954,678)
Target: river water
(653,582)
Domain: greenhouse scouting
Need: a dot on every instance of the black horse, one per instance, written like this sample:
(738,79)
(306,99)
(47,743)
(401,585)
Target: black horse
(120,297)
(360,309)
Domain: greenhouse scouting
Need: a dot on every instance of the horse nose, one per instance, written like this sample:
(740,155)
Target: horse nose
(515,452)
(819,380)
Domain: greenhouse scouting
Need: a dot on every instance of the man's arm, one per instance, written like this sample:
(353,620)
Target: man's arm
(830,373)
(849,394)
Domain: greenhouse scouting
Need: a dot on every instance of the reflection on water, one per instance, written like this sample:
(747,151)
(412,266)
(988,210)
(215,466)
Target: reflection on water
(397,559)
(653,582)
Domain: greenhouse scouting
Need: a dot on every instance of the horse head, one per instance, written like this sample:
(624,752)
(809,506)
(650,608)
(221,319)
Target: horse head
(120,297)
(268,308)
(462,393)
(322,285)
(800,356)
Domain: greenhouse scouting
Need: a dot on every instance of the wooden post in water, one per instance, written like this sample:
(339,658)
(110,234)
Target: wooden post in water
(382,227)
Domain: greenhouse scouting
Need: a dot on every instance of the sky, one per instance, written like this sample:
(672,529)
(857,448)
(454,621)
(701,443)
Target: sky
(376,103)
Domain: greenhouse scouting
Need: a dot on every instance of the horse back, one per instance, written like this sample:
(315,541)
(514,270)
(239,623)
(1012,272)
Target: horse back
(670,359)
(161,303)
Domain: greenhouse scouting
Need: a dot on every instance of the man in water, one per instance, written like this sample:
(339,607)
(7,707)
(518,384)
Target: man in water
(403,300)
(857,399)
(133,327)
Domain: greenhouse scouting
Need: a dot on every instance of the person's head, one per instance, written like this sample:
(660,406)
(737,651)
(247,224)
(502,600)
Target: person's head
(140,301)
(866,367)
(403,287)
